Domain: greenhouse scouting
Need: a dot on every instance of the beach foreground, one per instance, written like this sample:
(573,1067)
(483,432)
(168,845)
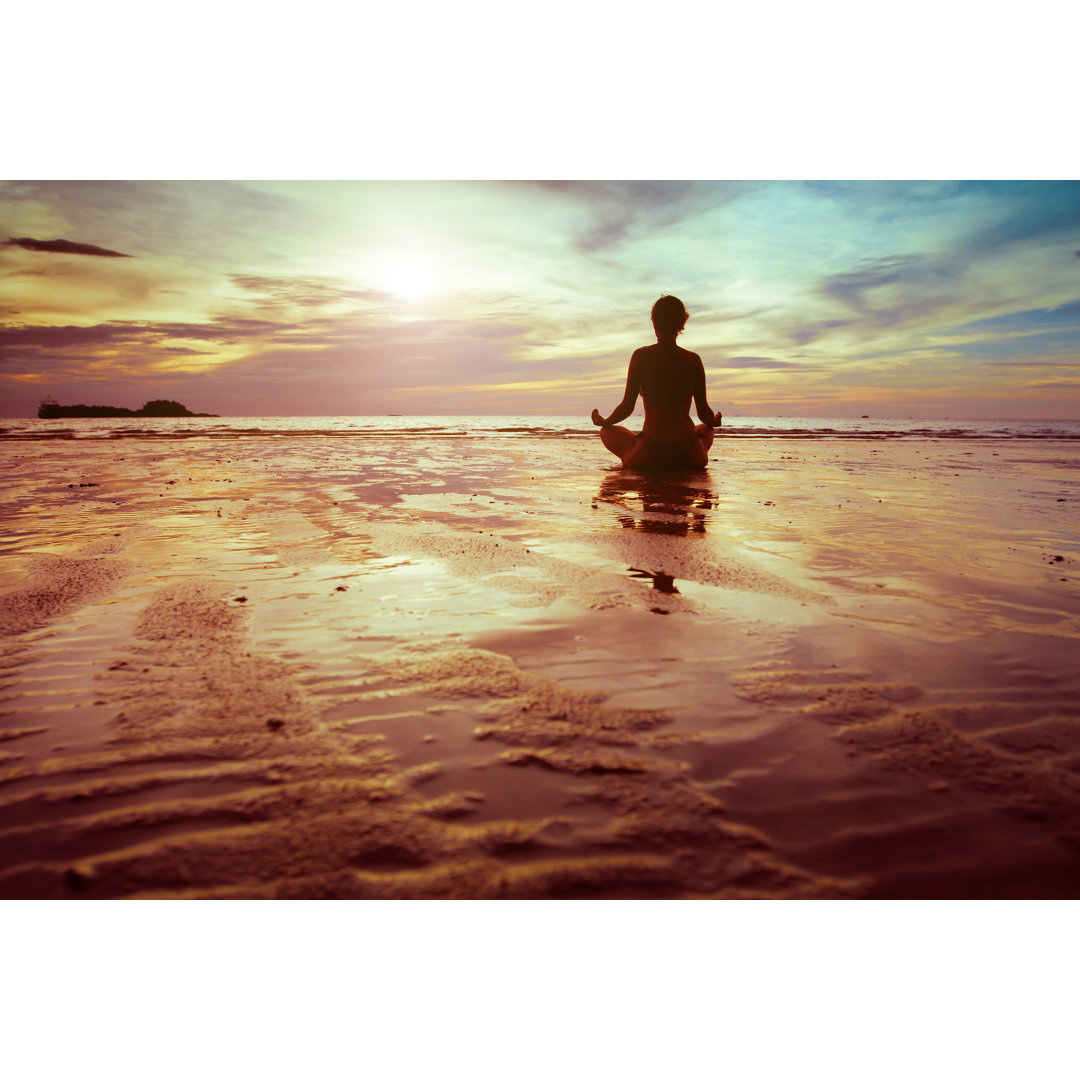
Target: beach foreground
(508,668)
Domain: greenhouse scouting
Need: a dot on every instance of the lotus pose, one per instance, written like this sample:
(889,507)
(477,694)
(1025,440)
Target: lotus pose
(668,377)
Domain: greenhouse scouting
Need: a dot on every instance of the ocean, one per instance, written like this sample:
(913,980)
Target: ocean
(518,427)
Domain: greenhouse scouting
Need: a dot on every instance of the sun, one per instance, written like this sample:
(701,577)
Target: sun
(412,276)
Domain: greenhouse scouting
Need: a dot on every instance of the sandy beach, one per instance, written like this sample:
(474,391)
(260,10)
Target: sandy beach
(507,668)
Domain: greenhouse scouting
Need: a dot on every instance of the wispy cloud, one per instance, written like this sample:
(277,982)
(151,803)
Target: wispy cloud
(362,355)
(809,332)
(1071,385)
(622,208)
(306,291)
(65,247)
(104,335)
(1039,344)
(1027,321)
(760,363)
(1040,364)
(909,290)
(915,284)
(1034,211)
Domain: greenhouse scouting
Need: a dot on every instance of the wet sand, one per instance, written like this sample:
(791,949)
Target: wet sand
(482,668)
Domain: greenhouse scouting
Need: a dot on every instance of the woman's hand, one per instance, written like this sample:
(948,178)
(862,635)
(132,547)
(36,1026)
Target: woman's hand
(597,419)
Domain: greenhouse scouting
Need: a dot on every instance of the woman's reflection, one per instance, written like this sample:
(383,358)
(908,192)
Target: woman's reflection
(673,504)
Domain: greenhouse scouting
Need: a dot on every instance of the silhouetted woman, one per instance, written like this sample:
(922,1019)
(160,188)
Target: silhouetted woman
(668,378)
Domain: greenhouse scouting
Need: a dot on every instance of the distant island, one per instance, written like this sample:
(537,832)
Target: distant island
(52,410)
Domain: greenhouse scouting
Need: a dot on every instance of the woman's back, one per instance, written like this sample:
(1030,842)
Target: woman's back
(668,377)
(667,370)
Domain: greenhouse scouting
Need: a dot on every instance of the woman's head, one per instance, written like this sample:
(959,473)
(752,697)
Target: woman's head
(669,316)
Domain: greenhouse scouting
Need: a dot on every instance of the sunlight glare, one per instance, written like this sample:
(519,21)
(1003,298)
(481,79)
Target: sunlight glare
(409,275)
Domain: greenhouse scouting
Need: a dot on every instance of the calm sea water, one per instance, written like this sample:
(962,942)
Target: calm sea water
(516,427)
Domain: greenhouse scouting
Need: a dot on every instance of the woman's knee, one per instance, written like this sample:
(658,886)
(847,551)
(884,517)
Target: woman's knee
(617,439)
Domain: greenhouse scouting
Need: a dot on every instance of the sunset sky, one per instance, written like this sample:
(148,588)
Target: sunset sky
(437,297)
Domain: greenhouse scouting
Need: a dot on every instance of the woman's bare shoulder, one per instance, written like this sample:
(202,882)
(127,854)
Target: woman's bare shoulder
(643,358)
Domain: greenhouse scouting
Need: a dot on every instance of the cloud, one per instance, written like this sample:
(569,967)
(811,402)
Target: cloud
(916,283)
(1057,342)
(1030,320)
(65,247)
(808,332)
(886,195)
(1010,364)
(622,207)
(204,220)
(310,366)
(761,363)
(1054,384)
(1039,210)
(907,288)
(107,335)
(1008,212)
(305,291)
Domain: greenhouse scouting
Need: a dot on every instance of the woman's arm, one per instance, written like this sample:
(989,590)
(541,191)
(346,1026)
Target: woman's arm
(705,414)
(629,402)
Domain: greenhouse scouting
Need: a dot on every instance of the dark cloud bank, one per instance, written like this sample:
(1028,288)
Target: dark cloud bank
(64,247)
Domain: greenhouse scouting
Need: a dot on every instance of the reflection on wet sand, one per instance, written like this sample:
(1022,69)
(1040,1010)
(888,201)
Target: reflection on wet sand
(451,676)
(672,504)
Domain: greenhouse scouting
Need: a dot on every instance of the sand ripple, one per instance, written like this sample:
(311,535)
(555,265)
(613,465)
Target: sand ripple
(243,789)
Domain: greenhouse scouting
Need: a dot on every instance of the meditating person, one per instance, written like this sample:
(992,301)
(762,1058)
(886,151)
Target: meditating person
(668,377)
